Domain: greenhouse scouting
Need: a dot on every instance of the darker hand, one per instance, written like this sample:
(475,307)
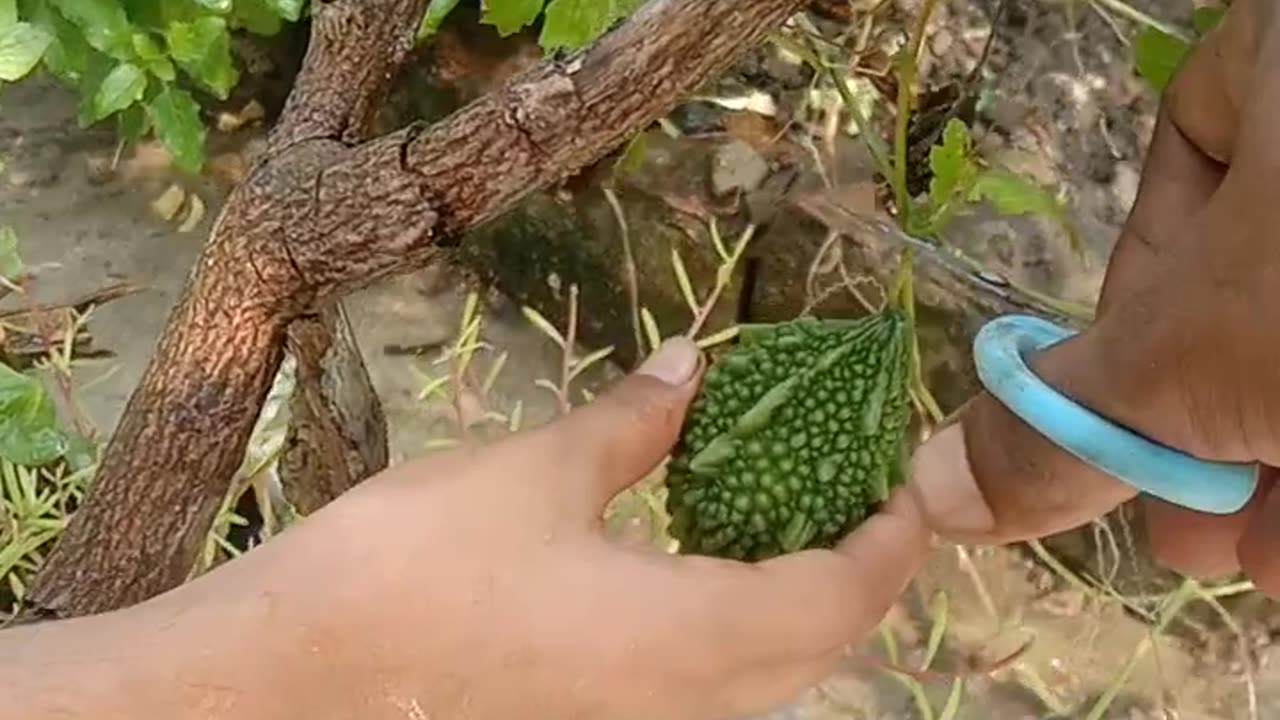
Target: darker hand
(1186,345)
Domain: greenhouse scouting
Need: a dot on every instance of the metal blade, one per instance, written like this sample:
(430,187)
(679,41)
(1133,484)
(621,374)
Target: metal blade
(943,266)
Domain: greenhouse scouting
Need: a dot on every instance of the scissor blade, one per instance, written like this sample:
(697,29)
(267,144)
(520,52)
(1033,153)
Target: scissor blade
(943,266)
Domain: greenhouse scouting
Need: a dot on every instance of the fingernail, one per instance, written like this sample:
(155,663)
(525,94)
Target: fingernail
(945,487)
(674,363)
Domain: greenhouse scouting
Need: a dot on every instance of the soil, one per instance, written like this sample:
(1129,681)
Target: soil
(1060,103)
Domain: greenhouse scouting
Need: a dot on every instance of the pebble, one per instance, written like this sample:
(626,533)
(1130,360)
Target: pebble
(1124,184)
(941,42)
(737,166)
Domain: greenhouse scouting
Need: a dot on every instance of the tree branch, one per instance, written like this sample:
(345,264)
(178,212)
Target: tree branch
(168,467)
(319,218)
(355,51)
(543,124)
(337,429)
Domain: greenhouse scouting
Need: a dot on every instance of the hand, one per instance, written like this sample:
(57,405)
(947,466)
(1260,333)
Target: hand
(480,584)
(1186,344)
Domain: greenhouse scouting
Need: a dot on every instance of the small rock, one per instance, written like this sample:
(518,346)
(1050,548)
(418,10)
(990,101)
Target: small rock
(941,42)
(229,167)
(195,214)
(1124,184)
(99,169)
(697,118)
(737,167)
(251,112)
(149,160)
(166,206)
(1063,603)
(1099,165)
(1007,112)
(788,74)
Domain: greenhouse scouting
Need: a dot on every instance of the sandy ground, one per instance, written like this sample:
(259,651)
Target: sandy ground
(1065,108)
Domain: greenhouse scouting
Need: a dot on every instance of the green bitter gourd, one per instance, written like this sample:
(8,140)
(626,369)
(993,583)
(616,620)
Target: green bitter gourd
(795,436)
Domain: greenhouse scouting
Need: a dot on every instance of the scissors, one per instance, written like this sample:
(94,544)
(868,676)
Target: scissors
(1000,348)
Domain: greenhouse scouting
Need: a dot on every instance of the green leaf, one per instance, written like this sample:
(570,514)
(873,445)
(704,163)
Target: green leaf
(954,168)
(290,10)
(221,7)
(682,279)
(69,57)
(542,323)
(176,118)
(954,698)
(29,433)
(81,452)
(624,8)
(203,49)
(256,16)
(952,163)
(632,159)
(21,47)
(575,24)
(8,12)
(146,14)
(11,266)
(939,611)
(1013,194)
(104,23)
(1205,19)
(1157,56)
(121,88)
(511,16)
(133,123)
(435,15)
(90,81)
(24,441)
(152,57)
(651,332)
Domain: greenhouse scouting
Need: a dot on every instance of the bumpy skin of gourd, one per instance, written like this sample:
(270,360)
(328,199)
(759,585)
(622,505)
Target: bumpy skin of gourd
(792,439)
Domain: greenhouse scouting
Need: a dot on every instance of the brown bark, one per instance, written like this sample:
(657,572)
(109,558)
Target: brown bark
(338,433)
(320,216)
(337,429)
(168,465)
(355,51)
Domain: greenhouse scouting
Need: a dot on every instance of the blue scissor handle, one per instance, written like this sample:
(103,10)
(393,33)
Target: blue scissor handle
(1203,485)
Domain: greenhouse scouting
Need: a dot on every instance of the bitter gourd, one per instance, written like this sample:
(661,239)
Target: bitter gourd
(794,437)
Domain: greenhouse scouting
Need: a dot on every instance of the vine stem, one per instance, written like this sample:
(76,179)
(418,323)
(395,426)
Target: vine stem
(1169,610)
(1120,7)
(629,267)
(907,69)
(723,276)
(566,357)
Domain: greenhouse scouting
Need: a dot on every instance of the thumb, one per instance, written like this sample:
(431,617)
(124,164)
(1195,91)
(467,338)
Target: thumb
(990,478)
(613,442)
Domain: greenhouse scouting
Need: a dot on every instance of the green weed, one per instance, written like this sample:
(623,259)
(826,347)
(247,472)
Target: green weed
(143,65)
